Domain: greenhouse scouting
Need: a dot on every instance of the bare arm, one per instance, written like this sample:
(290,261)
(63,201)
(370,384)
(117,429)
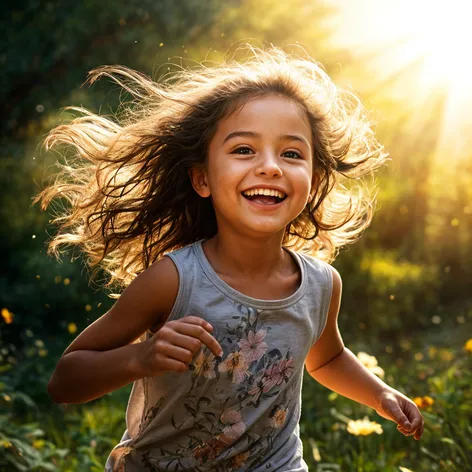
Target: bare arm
(105,357)
(337,368)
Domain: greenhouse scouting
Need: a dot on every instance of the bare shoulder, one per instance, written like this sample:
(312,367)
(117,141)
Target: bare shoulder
(330,343)
(337,282)
(146,302)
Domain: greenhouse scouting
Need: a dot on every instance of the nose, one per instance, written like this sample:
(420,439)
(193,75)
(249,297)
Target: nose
(268,164)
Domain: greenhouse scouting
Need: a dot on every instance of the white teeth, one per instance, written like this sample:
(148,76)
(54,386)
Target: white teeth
(264,191)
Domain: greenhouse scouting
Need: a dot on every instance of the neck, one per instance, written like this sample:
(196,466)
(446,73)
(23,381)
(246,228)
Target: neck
(242,257)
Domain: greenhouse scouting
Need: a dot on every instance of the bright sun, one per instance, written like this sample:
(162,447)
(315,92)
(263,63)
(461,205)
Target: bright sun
(419,49)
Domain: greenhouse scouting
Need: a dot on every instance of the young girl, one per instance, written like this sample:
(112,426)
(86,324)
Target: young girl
(218,203)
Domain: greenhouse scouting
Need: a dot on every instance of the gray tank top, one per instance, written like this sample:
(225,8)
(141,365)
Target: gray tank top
(240,413)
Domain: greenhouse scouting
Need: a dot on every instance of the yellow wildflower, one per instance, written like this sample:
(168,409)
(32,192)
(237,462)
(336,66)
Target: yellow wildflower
(371,363)
(43,352)
(7,316)
(423,402)
(419,356)
(5,444)
(446,355)
(432,351)
(39,443)
(72,328)
(428,401)
(468,345)
(364,427)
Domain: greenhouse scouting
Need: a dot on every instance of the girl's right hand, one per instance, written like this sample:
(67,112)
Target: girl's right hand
(174,345)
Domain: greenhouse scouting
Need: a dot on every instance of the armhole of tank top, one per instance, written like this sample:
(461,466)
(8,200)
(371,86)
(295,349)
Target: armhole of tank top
(328,293)
(183,295)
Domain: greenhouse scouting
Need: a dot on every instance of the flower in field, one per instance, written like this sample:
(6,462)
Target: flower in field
(39,443)
(371,363)
(254,347)
(423,402)
(446,355)
(468,345)
(364,427)
(7,316)
(432,351)
(72,328)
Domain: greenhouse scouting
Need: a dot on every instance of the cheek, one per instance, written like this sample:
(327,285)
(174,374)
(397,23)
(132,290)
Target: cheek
(226,175)
(305,179)
(222,180)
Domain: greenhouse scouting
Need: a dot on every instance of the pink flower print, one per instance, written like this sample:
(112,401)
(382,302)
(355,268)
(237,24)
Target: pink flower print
(205,365)
(272,377)
(254,347)
(256,391)
(286,368)
(235,364)
(277,373)
(235,427)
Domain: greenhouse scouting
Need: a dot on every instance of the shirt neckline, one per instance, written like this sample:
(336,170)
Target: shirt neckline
(239,297)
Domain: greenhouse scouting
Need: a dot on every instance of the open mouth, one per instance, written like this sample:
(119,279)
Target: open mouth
(271,197)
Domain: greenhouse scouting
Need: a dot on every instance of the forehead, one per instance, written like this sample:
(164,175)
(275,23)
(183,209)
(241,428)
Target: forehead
(269,114)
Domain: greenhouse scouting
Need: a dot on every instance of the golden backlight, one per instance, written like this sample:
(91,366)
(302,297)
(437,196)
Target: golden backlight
(417,51)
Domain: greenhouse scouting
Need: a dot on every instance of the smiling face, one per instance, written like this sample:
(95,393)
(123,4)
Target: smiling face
(266,145)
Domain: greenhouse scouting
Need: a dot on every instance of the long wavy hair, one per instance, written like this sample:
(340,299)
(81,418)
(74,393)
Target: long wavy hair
(127,184)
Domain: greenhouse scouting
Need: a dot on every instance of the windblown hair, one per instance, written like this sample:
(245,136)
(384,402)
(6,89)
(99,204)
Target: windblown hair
(131,198)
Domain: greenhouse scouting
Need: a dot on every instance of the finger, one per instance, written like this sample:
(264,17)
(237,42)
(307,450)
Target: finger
(197,321)
(420,431)
(172,365)
(414,416)
(416,424)
(200,333)
(399,417)
(177,353)
(182,340)
(404,431)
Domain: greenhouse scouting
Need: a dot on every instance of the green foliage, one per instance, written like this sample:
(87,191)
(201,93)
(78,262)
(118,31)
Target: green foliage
(443,374)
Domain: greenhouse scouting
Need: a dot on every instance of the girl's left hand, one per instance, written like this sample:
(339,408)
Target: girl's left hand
(394,406)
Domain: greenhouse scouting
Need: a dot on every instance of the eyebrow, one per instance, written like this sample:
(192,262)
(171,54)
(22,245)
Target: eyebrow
(252,134)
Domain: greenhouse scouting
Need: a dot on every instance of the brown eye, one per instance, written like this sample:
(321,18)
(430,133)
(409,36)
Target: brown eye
(242,150)
(293,154)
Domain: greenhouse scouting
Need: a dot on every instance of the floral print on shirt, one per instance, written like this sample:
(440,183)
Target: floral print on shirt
(219,436)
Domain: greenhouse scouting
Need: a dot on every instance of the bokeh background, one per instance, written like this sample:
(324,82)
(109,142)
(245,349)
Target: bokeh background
(407,303)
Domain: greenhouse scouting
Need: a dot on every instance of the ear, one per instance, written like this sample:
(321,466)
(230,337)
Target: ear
(199,181)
